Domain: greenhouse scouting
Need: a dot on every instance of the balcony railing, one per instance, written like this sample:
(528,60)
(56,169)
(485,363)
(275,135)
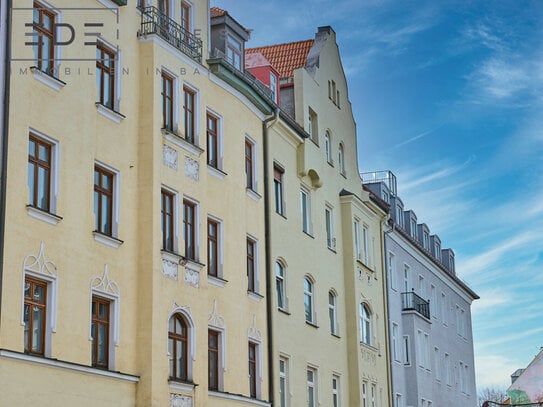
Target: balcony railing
(411,301)
(153,21)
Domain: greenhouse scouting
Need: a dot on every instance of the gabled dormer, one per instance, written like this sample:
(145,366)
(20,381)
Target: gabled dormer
(228,38)
(435,244)
(424,236)
(259,66)
(447,256)
(396,211)
(410,223)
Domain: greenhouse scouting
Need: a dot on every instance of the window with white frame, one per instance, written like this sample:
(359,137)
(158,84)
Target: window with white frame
(254,366)
(234,51)
(215,247)
(444,308)
(283,382)
(399,215)
(406,351)
(328,217)
(391,265)
(437,250)
(309,305)
(396,342)
(336,402)
(106,200)
(280,285)
(358,251)
(190,114)
(447,367)
(437,364)
(341,159)
(36,316)
(407,278)
(364,393)
(305,203)
(108,79)
(366,245)
(426,240)
(332,312)
(169,219)
(422,287)
(312,128)
(253,275)
(327,147)
(273,86)
(311,387)
(373,395)
(423,351)
(191,228)
(398,400)
(433,300)
(278,186)
(413,228)
(214,134)
(250,164)
(365,324)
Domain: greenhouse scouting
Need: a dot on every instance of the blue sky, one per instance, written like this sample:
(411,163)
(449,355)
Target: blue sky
(449,96)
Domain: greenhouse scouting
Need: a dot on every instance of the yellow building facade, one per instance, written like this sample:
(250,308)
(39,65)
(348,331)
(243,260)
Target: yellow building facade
(133,254)
(329,308)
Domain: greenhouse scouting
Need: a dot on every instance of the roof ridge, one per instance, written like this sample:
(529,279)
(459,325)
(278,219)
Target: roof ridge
(283,43)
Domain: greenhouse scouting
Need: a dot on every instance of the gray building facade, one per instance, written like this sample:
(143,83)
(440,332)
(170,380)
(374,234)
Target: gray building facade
(431,344)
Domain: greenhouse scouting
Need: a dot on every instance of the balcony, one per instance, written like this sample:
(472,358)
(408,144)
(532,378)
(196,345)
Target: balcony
(153,21)
(412,302)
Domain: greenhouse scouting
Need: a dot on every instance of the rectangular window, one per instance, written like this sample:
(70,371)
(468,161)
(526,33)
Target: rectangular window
(250,165)
(212,141)
(278,186)
(44,39)
(413,228)
(406,278)
(283,382)
(311,387)
(437,364)
(189,109)
(251,265)
(330,241)
(426,240)
(35,311)
(167,101)
(364,394)
(39,173)
(213,247)
(313,129)
(366,245)
(357,240)
(233,52)
(444,308)
(185,20)
(306,211)
(433,300)
(373,395)
(167,220)
(335,391)
(447,369)
(422,287)
(103,200)
(399,215)
(392,271)
(252,369)
(105,75)
(332,312)
(280,286)
(213,359)
(273,87)
(100,332)
(399,400)
(406,353)
(395,342)
(189,228)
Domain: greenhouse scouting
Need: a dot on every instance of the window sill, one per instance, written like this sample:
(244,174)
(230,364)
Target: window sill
(344,174)
(109,113)
(308,234)
(42,215)
(283,311)
(254,296)
(182,143)
(49,80)
(239,398)
(216,281)
(181,385)
(216,172)
(331,249)
(331,163)
(107,240)
(312,324)
(281,214)
(255,196)
(369,347)
(335,335)
(191,263)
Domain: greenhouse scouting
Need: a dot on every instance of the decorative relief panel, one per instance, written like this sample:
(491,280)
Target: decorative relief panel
(215,320)
(169,269)
(104,284)
(369,357)
(178,400)
(192,168)
(254,332)
(192,277)
(40,264)
(169,157)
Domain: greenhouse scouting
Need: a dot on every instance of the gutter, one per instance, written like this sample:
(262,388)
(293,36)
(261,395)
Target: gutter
(4,147)
(384,222)
(269,275)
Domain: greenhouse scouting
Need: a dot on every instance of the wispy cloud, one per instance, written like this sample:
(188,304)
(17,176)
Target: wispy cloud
(493,370)
(417,137)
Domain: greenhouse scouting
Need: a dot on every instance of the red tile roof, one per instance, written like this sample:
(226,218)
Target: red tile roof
(217,12)
(285,58)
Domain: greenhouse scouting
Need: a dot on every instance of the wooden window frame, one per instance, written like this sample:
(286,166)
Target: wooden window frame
(253,368)
(32,303)
(213,241)
(167,218)
(104,71)
(41,32)
(309,294)
(178,337)
(97,321)
(212,140)
(249,165)
(37,163)
(280,280)
(189,237)
(185,16)
(251,265)
(189,110)
(213,352)
(102,191)
(278,173)
(167,113)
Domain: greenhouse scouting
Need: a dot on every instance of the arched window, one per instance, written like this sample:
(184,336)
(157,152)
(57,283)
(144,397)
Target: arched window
(280,285)
(365,324)
(308,300)
(178,344)
(341,158)
(327,147)
(332,312)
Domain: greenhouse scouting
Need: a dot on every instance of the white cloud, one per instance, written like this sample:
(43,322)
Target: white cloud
(493,370)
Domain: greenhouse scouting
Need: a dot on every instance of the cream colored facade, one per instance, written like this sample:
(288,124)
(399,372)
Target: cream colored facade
(144,285)
(326,269)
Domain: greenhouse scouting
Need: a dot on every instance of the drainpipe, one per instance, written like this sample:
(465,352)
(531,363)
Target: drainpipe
(269,277)
(4,130)
(387,303)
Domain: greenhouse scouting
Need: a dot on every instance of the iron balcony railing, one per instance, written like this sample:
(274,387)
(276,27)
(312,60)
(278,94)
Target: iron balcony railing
(411,301)
(153,21)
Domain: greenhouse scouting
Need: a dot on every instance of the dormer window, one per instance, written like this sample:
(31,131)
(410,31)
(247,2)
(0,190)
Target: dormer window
(413,228)
(399,215)
(273,86)
(426,240)
(233,51)
(437,248)
(386,197)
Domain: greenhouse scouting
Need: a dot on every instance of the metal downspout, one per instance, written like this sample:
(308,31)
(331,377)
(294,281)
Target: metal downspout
(267,233)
